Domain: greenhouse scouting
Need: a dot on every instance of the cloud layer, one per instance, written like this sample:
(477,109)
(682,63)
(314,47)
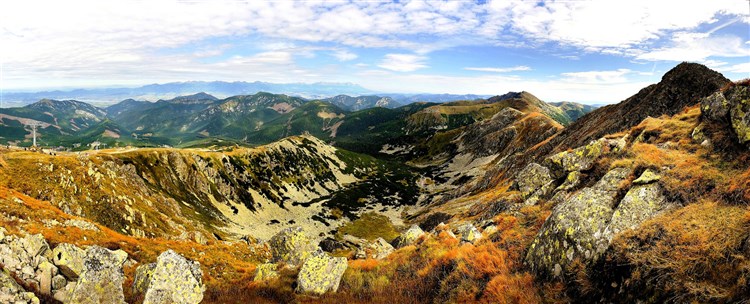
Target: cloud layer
(84,43)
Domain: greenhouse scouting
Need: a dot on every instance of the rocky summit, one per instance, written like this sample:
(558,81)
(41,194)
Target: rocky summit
(272,198)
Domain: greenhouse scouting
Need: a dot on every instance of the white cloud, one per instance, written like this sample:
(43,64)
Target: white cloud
(686,46)
(344,55)
(618,24)
(737,68)
(127,41)
(403,62)
(499,70)
(494,84)
(597,77)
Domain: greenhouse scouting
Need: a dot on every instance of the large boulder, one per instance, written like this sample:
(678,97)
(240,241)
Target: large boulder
(641,203)
(531,178)
(740,113)
(101,279)
(730,106)
(172,279)
(34,244)
(408,237)
(291,246)
(583,226)
(579,159)
(320,273)
(69,259)
(575,227)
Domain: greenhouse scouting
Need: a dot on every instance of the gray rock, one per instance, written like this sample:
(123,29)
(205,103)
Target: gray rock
(639,204)
(715,106)
(291,246)
(647,177)
(34,244)
(69,259)
(320,273)
(11,292)
(380,249)
(576,226)
(173,279)
(739,113)
(531,178)
(571,181)
(102,277)
(468,233)
(580,159)
(408,237)
(45,273)
(59,282)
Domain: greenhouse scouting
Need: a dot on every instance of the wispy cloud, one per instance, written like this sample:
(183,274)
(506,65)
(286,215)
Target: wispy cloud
(344,55)
(403,62)
(597,77)
(499,70)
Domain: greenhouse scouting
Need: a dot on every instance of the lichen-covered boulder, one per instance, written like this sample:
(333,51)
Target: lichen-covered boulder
(172,279)
(408,237)
(730,106)
(69,259)
(579,159)
(320,273)
(531,178)
(265,272)
(576,226)
(11,292)
(291,246)
(468,233)
(647,177)
(641,203)
(571,181)
(34,244)
(739,113)
(101,279)
(715,106)
(142,278)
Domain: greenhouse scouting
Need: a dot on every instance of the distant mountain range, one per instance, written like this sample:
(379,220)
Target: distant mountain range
(360,123)
(222,89)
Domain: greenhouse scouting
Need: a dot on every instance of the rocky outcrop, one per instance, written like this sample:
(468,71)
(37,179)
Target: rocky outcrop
(320,273)
(291,246)
(730,106)
(28,259)
(468,233)
(642,202)
(531,178)
(575,226)
(583,226)
(101,279)
(69,259)
(172,279)
(408,237)
(579,159)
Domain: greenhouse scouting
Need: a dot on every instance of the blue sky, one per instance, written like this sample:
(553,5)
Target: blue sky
(586,51)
